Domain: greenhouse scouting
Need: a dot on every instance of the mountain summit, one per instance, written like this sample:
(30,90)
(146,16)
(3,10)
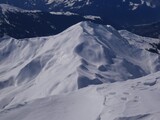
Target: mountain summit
(90,53)
(87,66)
(48,77)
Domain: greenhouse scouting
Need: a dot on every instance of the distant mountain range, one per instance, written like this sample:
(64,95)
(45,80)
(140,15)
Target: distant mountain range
(47,17)
(119,12)
(19,23)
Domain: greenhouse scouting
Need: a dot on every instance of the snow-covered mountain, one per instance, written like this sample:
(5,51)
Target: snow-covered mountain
(42,78)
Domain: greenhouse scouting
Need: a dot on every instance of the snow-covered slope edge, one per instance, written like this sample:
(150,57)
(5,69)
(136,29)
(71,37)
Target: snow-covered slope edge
(85,54)
(130,100)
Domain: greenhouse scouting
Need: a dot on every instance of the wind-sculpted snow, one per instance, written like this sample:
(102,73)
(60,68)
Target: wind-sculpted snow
(84,54)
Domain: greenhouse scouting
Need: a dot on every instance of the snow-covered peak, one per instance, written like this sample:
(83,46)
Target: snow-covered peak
(84,54)
(42,78)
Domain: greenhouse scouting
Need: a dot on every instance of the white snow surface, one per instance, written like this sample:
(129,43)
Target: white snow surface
(130,100)
(40,78)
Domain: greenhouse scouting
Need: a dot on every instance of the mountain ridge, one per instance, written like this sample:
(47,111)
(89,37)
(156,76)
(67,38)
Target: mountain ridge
(72,60)
(90,56)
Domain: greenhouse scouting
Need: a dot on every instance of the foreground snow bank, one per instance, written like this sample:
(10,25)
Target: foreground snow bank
(130,100)
(82,105)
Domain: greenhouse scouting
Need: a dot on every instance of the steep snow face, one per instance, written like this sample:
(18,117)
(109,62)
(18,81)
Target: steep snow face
(85,54)
(130,100)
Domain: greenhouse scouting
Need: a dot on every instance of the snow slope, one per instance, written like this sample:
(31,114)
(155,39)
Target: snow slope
(58,66)
(131,100)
